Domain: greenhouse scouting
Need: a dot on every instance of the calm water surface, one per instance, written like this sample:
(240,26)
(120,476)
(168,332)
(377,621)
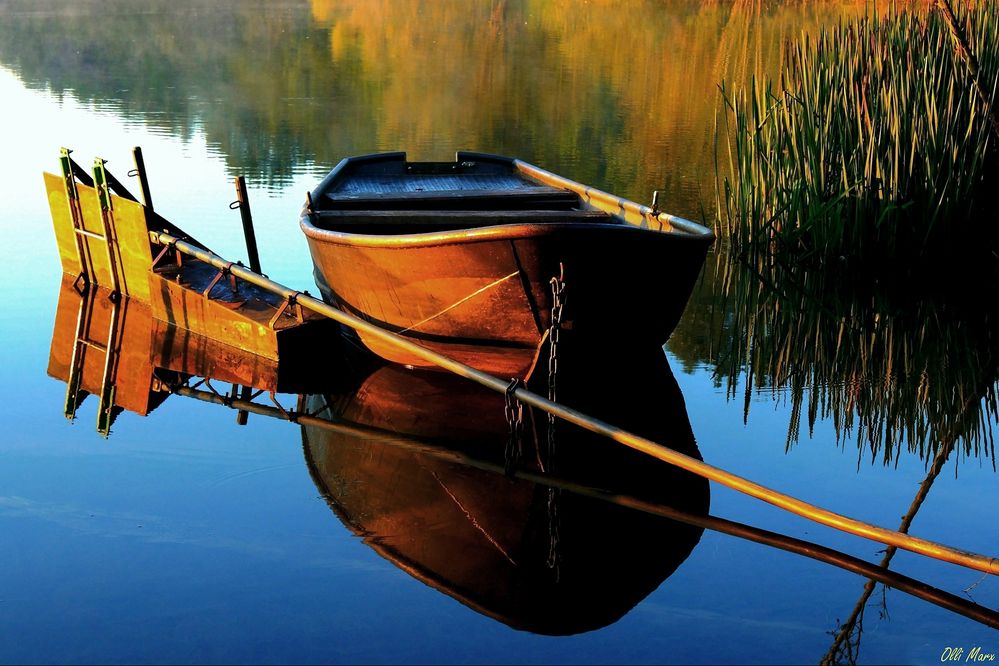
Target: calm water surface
(185,537)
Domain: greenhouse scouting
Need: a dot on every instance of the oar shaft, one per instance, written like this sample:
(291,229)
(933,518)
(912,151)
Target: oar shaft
(779,499)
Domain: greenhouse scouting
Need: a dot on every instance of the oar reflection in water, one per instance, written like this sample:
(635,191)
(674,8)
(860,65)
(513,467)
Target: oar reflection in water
(324,420)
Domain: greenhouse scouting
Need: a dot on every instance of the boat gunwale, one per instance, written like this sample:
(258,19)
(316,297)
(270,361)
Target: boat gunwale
(633,217)
(494,232)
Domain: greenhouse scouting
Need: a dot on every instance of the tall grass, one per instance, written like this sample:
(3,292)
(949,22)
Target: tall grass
(871,145)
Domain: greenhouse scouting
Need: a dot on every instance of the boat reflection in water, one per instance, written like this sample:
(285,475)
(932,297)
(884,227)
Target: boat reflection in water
(554,531)
(423,466)
(118,351)
(529,555)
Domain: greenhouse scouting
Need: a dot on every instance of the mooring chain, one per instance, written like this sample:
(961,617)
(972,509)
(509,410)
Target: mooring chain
(554,557)
(554,330)
(514,411)
(558,289)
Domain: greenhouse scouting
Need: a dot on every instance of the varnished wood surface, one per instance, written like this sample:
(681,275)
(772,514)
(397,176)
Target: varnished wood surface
(479,301)
(243,317)
(475,284)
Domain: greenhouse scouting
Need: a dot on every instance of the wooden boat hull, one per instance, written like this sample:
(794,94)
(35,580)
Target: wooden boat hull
(488,302)
(483,295)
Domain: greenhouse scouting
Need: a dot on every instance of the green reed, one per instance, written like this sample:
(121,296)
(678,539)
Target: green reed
(872,144)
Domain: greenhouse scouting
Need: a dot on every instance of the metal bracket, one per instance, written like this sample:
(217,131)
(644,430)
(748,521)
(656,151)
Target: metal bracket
(291,300)
(225,270)
(167,248)
(292,417)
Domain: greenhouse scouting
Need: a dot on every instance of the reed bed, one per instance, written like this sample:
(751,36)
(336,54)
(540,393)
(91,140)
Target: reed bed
(872,145)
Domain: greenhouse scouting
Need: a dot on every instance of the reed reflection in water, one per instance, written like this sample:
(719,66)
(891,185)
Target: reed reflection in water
(898,366)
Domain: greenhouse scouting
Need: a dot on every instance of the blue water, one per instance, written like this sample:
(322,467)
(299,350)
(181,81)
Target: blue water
(185,538)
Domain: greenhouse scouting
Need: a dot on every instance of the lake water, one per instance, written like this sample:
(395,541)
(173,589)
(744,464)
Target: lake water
(184,537)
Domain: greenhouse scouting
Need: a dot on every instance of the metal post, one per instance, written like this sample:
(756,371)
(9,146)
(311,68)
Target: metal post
(101,183)
(69,175)
(74,395)
(109,378)
(243,203)
(242,415)
(140,173)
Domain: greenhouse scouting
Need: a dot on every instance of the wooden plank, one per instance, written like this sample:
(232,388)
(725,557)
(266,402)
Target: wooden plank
(513,215)
(186,352)
(176,304)
(408,219)
(536,198)
(62,224)
(241,319)
(130,230)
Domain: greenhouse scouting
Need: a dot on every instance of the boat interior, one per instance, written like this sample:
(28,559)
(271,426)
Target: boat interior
(434,196)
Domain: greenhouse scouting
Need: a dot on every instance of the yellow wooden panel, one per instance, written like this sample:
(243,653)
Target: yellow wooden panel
(183,351)
(132,234)
(183,307)
(128,228)
(62,224)
(135,371)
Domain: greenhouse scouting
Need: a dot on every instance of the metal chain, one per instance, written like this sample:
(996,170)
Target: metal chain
(554,330)
(558,291)
(514,411)
(554,556)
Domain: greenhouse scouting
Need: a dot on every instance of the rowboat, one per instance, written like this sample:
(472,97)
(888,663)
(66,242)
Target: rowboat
(471,258)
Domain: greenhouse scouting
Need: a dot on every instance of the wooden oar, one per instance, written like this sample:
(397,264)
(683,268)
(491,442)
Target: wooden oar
(792,504)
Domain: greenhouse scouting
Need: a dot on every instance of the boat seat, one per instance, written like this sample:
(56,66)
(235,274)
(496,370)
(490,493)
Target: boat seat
(530,198)
(404,221)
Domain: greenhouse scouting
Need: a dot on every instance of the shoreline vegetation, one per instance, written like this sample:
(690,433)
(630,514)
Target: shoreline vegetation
(872,149)
(858,215)
(552,81)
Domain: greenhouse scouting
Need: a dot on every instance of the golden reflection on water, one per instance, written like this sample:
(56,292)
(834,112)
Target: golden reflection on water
(529,555)
(619,95)
(626,91)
